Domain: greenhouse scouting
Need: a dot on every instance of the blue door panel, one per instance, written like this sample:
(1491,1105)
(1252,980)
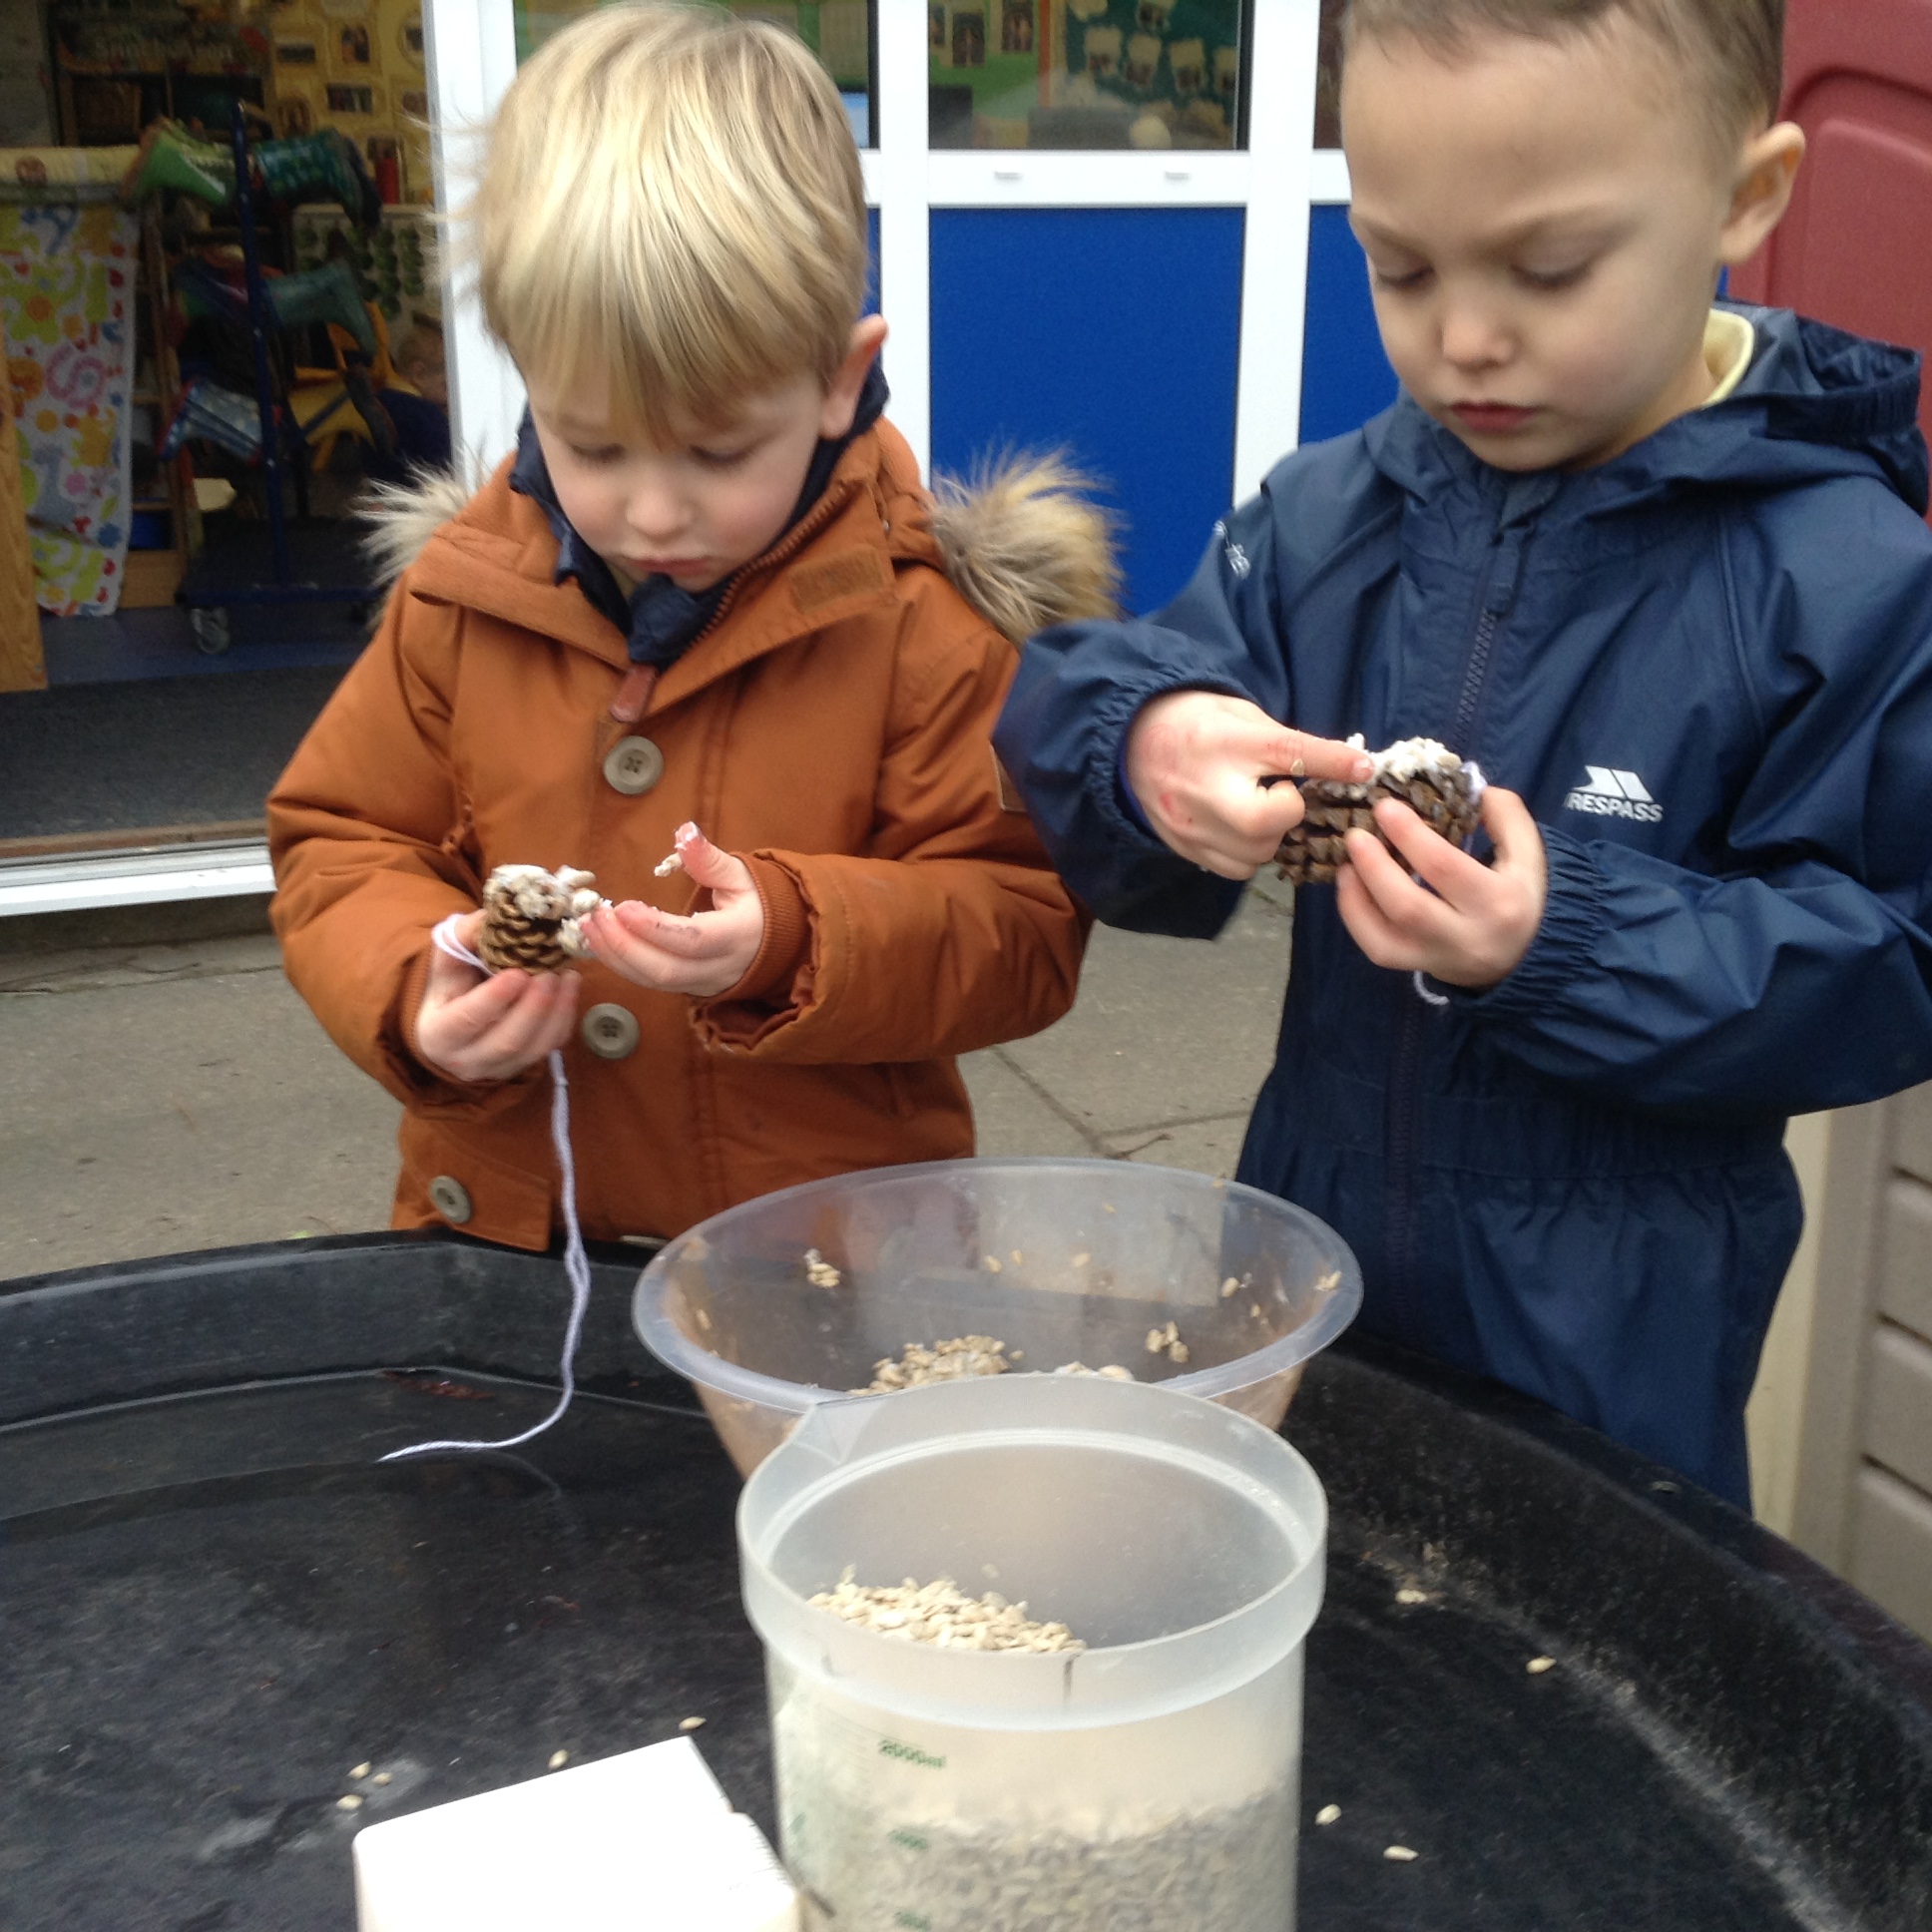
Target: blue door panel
(1110,333)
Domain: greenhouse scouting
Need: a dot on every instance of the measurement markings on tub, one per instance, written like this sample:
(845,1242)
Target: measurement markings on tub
(910,1755)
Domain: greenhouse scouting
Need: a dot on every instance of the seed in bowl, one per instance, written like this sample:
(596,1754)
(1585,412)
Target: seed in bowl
(1167,1341)
(819,1272)
(956,1360)
(942,1615)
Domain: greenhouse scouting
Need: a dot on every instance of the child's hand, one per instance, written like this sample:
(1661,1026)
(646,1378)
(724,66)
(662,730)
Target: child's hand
(1196,761)
(704,955)
(471,1026)
(1476,924)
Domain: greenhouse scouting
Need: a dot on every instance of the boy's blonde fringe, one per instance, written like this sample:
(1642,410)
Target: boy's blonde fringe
(1026,544)
(671,206)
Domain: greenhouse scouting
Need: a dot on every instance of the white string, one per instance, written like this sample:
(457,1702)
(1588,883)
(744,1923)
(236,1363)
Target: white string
(576,1262)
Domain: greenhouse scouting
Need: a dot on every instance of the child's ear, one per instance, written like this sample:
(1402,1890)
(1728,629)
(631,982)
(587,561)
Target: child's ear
(1761,190)
(841,393)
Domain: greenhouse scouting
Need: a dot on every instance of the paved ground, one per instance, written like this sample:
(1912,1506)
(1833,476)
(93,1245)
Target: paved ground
(162,1096)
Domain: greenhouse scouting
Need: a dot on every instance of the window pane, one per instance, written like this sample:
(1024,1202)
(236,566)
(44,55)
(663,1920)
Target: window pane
(1086,73)
(839,32)
(1328,76)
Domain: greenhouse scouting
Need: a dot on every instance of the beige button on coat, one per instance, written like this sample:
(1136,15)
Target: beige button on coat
(832,727)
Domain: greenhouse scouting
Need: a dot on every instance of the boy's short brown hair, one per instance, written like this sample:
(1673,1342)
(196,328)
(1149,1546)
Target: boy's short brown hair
(671,200)
(1737,44)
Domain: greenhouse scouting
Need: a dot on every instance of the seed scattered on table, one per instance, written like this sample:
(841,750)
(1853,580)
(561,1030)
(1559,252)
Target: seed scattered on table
(1230,1287)
(1400,1854)
(362,1771)
(994,1266)
(349,1801)
(1410,1595)
(558,1760)
(819,1272)
(1019,1259)
(1329,1815)
(1082,1259)
(942,1615)
(691,1723)
(381,1778)
(1255,1308)
(1538,1665)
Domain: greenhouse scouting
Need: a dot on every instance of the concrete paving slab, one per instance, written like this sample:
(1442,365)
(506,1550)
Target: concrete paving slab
(1206,1147)
(1014,1118)
(164,1100)
(1167,1030)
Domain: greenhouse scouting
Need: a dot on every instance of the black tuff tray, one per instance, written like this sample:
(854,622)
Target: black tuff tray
(214,1604)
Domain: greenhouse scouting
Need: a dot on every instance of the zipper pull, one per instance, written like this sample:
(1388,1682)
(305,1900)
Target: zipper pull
(634,693)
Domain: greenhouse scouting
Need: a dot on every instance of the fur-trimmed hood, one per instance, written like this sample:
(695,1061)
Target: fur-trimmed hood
(1022,539)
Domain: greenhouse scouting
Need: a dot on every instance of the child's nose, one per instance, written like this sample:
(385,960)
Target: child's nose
(656,509)
(1474,336)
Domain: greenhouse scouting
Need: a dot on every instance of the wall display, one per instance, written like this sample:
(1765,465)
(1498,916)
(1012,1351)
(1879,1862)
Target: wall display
(67,275)
(1085,73)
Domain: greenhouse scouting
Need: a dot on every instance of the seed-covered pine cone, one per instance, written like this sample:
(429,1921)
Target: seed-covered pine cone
(531,917)
(1445,792)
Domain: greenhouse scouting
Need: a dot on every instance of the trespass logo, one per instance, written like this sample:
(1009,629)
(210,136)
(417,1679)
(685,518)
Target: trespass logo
(1612,794)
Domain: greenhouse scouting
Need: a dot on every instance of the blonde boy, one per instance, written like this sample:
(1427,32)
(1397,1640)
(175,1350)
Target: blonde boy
(707,590)
(1658,566)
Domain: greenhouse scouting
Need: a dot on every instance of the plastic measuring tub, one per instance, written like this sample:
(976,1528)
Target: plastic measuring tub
(1149,1780)
(785,1301)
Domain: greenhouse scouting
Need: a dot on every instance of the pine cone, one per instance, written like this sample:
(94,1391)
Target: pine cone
(1445,792)
(531,917)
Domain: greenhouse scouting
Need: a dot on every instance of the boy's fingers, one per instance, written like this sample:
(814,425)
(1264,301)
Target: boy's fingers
(1512,829)
(1382,943)
(666,932)
(1410,908)
(1289,753)
(538,1019)
(475,1006)
(707,865)
(1446,867)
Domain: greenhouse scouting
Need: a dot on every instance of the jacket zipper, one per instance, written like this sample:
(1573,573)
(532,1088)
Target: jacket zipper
(816,519)
(1405,1086)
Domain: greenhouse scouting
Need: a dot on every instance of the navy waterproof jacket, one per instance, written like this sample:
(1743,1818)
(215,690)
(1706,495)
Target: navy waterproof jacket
(1707,666)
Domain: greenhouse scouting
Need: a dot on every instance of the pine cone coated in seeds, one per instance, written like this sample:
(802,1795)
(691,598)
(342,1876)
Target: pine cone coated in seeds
(531,917)
(1443,791)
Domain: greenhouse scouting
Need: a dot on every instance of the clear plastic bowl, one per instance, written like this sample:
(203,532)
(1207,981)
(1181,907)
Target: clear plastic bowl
(1062,1261)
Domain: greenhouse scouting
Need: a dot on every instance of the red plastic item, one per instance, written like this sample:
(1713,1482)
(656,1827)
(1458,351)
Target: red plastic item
(1856,248)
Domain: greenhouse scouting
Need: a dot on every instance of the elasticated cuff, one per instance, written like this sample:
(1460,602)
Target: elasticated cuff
(1565,944)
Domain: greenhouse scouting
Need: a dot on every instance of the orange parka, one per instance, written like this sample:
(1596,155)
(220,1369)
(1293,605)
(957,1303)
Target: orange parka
(831,728)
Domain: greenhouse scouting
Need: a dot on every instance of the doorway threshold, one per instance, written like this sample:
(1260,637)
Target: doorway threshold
(85,874)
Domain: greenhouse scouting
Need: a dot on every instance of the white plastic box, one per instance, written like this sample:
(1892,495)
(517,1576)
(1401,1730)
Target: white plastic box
(643,1839)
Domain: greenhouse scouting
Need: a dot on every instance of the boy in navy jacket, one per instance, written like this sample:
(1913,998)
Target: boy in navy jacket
(1661,569)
